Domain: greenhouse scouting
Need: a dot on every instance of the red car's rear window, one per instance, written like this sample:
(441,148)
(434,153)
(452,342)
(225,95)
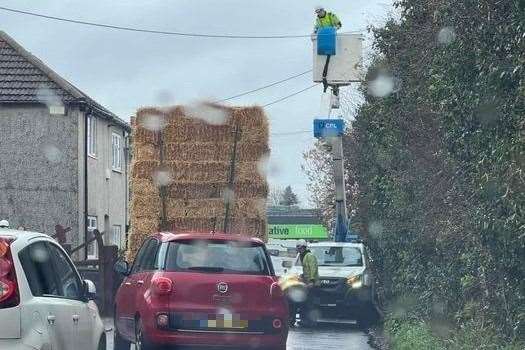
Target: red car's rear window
(210,256)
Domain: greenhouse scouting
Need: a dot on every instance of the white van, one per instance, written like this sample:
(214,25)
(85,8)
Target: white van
(346,285)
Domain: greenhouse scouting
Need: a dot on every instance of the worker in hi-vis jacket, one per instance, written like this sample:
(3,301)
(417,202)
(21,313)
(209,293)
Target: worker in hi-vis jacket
(325,19)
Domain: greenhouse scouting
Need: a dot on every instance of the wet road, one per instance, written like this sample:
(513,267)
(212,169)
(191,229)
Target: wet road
(328,337)
(325,337)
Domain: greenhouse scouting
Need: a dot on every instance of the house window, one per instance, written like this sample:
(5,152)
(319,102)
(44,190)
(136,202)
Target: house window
(92,249)
(116,237)
(116,147)
(92,135)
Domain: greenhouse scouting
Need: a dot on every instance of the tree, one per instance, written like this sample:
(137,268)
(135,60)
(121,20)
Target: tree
(288,197)
(275,195)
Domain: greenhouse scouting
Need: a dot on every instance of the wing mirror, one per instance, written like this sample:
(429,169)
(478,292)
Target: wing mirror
(122,267)
(90,290)
(287,264)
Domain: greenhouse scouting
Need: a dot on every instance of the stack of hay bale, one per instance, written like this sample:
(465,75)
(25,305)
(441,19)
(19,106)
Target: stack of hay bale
(195,171)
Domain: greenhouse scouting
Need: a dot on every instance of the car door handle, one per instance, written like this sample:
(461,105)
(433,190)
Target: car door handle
(140,283)
(76,318)
(51,319)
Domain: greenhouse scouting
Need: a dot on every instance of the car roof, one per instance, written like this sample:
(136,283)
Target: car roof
(183,236)
(22,237)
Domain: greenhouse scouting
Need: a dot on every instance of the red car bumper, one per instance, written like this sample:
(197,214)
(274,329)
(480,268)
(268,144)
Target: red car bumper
(275,340)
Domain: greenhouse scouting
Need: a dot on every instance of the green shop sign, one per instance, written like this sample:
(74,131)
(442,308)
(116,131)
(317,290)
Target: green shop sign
(297,231)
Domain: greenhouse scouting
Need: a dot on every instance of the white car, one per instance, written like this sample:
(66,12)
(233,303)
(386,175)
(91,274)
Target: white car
(44,305)
(346,285)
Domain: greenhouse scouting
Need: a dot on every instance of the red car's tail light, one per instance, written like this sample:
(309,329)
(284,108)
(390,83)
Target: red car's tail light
(162,286)
(276,291)
(8,284)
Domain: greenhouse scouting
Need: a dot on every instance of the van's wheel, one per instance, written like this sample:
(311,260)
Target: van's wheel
(368,317)
(118,342)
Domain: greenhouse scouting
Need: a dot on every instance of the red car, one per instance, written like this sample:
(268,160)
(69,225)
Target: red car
(200,290)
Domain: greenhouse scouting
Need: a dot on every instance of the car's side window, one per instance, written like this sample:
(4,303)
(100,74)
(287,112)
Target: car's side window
(149,261)
(38,268)
(140,257)
(70,285)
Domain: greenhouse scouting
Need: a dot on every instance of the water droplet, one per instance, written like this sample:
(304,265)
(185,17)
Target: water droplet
(39,254)
(267,167)
(446,35)
(375,229)
(52,153)
(207,112)
(228,195)
(153,122)
(162,177)
(48,97)
(297,294)
(165,98)
(382,86)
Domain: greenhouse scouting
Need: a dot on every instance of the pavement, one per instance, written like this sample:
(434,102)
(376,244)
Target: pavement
(323,337)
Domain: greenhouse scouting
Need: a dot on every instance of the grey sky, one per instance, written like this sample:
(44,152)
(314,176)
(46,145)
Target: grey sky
(125,70)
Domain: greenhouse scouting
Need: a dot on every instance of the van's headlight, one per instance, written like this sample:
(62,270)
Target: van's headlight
(355,282)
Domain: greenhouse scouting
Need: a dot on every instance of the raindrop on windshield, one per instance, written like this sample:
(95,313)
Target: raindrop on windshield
(153,122)
(52,153)
(297,295)
(446,35)
(382,86)
(162,177)
(375,229)
(228,195)
(48,97)
(266,167)
(207,112)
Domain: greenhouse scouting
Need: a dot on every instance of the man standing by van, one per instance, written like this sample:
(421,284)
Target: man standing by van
(311,279)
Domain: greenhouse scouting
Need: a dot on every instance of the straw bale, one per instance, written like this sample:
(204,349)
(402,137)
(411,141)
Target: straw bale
(247,227)
(140,230)
(143,169)
(213,151)
(211,208)
(242,189)
(143,187)
(184,172)
(144,206)
(198,156)
(146,152)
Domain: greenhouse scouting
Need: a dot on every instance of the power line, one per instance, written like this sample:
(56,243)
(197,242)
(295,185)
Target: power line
(290,133)
(153,31)
(290,96)
(264,87)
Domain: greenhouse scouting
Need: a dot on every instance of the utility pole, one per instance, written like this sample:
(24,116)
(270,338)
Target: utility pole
(163,191)
(231,179)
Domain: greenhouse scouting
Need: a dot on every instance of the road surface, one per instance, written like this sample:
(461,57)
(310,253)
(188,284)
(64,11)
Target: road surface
(326,337)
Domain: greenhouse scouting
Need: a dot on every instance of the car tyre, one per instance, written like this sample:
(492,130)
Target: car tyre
(102,343)
(119,343)
(141,341)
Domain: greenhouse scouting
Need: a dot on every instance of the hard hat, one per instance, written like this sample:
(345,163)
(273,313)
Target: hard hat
(319,9)
(301,243)
(4,223)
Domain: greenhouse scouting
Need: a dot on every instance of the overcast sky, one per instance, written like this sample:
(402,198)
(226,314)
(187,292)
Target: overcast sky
(126,70)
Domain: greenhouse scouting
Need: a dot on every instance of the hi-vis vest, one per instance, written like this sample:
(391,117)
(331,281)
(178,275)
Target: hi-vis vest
(329,20)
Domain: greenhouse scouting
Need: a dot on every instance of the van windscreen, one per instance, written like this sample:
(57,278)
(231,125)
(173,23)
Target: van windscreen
(210,256)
